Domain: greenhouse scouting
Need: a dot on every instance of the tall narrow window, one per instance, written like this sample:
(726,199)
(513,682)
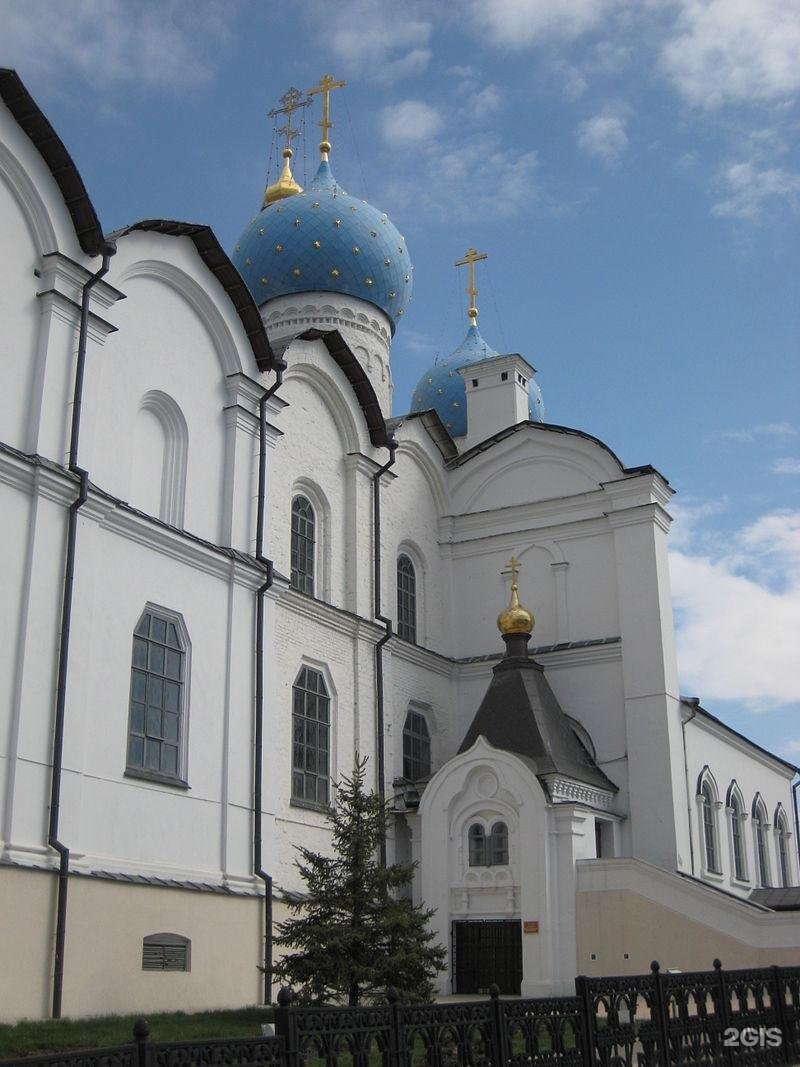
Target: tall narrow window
(155,729)
(406,599)
(739,866)
(498,849)
(477,846)
(760,825)
(709,827)
(302,553)
(311,730)
(783,849)
(416,747)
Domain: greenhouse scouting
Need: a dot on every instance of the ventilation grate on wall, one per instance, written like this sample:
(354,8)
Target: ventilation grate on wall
(166,952)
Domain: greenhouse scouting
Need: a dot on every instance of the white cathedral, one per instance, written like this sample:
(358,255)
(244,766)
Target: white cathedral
(228,567)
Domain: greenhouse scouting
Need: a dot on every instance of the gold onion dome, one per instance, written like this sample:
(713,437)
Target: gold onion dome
(285,186)
(515,619)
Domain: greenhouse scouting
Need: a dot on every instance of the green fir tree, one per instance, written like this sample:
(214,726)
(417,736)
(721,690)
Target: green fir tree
(353,934)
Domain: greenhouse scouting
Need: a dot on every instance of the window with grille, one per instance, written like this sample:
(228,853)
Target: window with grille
(739,865)
(709,829)
(498,845)
(416,747)
(166,952)
(311,727)
(302,546)
(157,697)
(759,822)
(477,846)
(406,599)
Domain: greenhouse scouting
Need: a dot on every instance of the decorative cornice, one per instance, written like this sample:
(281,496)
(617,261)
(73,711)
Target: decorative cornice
(286,317)
(639,515)
(568,791)
(60,272)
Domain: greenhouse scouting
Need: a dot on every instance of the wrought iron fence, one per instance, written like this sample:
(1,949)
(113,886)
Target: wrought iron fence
(748,1018)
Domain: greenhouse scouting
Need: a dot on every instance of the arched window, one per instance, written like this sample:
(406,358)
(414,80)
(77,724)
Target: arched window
(158,698)
(782,832)
(302,547)
(760,829)
(737,835)
(707,805)
(406,599)
(416,747)
(498,848)
(311,731)
(477,846)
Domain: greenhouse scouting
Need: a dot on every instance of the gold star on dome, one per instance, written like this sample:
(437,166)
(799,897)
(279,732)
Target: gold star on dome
(392,295)
(238,248)
(337,223)
(248,262)
(356,250)
(368,281)
(296,272)
(265,281)
(387,262)
(318,244)
(315,203)
(297,222)
(334,272)
(373,233)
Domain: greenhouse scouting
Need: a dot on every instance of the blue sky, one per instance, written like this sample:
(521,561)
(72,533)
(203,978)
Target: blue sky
(632,169)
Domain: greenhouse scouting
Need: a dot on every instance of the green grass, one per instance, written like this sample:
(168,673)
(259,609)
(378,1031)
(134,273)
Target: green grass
(54,1035)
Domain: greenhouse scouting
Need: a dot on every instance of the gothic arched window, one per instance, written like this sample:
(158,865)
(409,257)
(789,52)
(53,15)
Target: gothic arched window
(157,699)
(477,846)
(708,805)
(311,731)
(416,747)
(406,599)
(783,848)
(737,834)
(498,847)
(760,829)
(302,547)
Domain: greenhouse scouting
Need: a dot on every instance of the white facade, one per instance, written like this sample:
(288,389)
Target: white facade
(169,436)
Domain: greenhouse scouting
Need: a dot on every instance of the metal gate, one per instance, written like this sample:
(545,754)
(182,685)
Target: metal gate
(485,952)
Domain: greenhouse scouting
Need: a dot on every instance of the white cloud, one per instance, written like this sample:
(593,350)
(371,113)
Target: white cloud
(786,465)
(157,44)
(793,747)
(738,613)
(735,51)
(747,434)
(748,190)
(410,122)
(604,136)
(486,102)
(372,41)
(517,24)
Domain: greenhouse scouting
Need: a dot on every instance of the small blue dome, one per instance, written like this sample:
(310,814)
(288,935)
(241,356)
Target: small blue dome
(323,240)
(444,390)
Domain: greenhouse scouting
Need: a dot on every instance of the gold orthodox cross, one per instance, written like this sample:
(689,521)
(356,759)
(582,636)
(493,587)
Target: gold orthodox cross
(291,102)
(326,85)
(514,565)
(471,257)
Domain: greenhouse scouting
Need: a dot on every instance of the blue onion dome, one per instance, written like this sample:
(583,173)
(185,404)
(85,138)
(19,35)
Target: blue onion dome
(442,387)
(444,390)
(324,240)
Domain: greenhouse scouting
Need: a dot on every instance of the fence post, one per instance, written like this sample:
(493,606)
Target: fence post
(396,1049)
(284,1025)
(587,1021)
(662,1013)
(141,1032)
(498,1027)
(724,1010)
(780,1008)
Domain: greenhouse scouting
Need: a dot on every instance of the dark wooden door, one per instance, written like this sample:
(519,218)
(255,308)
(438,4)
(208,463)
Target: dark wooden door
(485,952)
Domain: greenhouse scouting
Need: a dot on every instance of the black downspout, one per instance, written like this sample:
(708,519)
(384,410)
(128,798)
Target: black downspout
(796,818)
(258,763)
(376,512)
(694,702)
(53,839)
